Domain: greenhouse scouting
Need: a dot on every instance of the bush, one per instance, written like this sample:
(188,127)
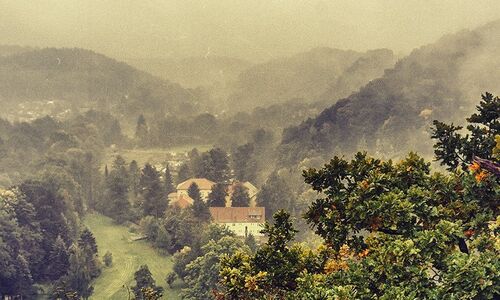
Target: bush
(107,259)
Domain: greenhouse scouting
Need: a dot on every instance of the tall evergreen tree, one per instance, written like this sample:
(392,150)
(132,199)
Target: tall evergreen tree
(79,277)
(275,194)
(58,259)
(200,208)
(217,197)
(142,131)
(116,204)
(168,181)
(135,175)
(244,165)
(88,246)
(154,201)
(214,165)
(184,173)
(240,196)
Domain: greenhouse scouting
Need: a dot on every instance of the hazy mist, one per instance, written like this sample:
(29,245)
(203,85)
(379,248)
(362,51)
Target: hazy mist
(254,30)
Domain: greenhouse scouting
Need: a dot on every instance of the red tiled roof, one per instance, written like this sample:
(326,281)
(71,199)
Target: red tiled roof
(203,184)
(183,201)
(238,214)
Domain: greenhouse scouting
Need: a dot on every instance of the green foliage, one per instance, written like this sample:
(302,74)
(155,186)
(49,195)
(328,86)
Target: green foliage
(170,279)
(107,259)
(142,131)
(240,196)
(117,205)
(245,167)
(184,173)
(390,231)
(455,150)
(199,207)
(217,197)
(154,201)
(134,175)
(275,194)
(202,274)
(145,288)
(198,265)
(78,280)
(213,165)
(168,181)
(251,242)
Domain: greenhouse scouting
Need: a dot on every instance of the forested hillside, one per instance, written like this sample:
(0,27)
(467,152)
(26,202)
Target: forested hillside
(308,76)
(392,114)
(79,79)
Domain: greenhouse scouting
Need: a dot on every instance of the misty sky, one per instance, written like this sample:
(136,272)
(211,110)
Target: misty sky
(251,29)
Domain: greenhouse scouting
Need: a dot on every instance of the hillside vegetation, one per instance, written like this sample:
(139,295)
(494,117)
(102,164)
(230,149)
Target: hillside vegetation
(392,113)
(82,79)
(128,256)
(308,76)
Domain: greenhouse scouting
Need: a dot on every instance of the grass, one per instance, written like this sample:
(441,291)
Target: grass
(127,257)
(153,156)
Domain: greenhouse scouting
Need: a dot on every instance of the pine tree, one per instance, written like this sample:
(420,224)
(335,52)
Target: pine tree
(141,130)
(154,201)
(194,191)
(244,164)
(79,277)
(240,196)
(168,181)
(275,194)
(87,244)
(217,197)
(200,208)
(135,175)
(58,259)
(184,173)
(117,204)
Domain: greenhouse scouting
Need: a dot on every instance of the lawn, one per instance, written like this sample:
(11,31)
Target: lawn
(128,255)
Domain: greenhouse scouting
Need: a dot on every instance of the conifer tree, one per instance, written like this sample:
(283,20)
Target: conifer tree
(217,197)
(200,208)
(154,201)
(58,259)
(240,196)
(168,181)
(135,175)
(116,203)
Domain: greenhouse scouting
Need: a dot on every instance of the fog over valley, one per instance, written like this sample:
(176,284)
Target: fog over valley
(227,149)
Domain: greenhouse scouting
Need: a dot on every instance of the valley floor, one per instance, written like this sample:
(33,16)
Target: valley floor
(128,255)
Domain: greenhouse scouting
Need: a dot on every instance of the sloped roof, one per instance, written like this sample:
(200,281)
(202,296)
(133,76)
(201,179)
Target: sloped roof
(183,201)
(203,184)
(238,214)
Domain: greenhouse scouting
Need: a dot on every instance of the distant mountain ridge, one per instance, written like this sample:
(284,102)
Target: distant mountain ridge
(88,79)
(391,114)
(309,76)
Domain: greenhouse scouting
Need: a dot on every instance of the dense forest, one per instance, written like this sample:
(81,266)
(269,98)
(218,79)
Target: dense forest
(370,175)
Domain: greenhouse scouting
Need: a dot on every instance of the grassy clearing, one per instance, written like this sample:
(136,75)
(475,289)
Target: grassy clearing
(153,156)
(127,257)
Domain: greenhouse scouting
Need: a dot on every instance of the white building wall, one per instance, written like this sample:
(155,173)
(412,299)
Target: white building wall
(243,229)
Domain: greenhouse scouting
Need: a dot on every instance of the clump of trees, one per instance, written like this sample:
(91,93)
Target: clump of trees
(385,225)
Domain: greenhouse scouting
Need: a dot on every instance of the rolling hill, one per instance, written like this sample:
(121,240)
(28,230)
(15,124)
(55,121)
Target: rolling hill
(80,79)
(308,76)
(392,114)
